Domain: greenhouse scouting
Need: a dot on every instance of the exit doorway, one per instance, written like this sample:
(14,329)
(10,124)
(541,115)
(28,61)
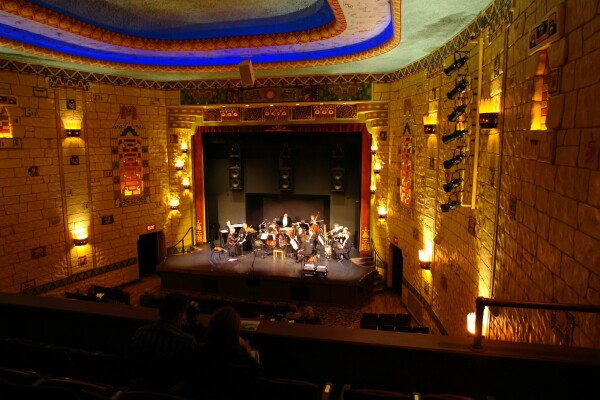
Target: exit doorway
(151,252)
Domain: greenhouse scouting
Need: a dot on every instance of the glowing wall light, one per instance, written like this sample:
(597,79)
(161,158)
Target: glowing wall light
(382,212)
(174,203)
(471,322)
(72,127)
(184,147)
(80,236)
(488,113)
(179,164)
(373,188)
(429,123)
(377,167)
(374,148)
(186,182)
(426,255)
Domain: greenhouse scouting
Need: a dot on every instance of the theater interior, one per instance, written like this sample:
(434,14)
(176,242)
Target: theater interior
(457,141)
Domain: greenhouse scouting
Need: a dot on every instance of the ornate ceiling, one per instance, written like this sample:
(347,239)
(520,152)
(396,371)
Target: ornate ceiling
(207,39)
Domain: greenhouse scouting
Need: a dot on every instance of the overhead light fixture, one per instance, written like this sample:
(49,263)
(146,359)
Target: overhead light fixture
(457,112)
(80,236)
(457,64)
(458,89)
(457,134)
(457,159)
(453,184)
(451,205)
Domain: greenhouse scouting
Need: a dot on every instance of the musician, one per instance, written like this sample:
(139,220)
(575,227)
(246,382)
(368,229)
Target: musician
(285,221)
(346,245)
(305,249)
(233,242)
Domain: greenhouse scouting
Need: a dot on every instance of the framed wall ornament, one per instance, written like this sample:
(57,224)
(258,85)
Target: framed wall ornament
(548,30)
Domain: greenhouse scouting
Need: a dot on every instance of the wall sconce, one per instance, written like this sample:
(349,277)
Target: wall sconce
(426,255)
(457,112)
(457,64)
(377,167)
(488,113)
(186,182)
(174,203)
(457,134)
(460,87)
(429,123)
(382,212)
(184,147)
(373,188)
(179,165)
(471,322)
(80,236)
(374,148)
(72,127)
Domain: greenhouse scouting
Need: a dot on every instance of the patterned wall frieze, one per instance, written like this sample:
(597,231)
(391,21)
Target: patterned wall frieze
(78,277)
(277,94)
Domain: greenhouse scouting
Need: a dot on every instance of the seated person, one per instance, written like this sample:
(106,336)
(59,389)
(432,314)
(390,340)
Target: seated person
(226,368)
(346,246)
(306,248)
(309,316)
(162,353)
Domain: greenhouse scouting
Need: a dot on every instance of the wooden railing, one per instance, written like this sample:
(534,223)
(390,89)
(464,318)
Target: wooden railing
(481,303)
(378,260)
(174,249)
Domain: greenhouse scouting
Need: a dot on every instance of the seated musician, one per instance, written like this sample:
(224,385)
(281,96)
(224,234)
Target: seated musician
(346,245)
(233,242)
(305,249)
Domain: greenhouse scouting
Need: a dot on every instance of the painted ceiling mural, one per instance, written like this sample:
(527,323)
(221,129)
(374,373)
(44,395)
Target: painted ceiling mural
(206,39)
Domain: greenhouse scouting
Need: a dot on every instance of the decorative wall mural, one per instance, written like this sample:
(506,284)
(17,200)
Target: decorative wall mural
(128,158)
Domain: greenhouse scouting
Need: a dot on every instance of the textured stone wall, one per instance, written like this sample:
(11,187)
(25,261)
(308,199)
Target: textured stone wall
(532,232)
(73,185)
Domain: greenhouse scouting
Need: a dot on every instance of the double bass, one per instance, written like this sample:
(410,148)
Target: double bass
(314,226)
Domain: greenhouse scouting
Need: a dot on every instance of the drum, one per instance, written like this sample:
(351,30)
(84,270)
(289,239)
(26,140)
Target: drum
(294,244)
(264,236)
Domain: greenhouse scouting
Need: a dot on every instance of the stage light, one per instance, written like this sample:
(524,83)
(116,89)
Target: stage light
(458,111)
(452,205)
(457,159)
(457,134)
(458,89)
(457,64)
(453,184)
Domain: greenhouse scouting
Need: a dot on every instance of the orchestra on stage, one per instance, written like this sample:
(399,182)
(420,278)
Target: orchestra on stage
(298,240)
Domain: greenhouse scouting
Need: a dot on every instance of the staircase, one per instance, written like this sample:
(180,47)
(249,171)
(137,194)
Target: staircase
(379,284)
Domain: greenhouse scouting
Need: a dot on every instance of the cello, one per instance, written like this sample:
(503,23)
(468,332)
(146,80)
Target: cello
(314,226)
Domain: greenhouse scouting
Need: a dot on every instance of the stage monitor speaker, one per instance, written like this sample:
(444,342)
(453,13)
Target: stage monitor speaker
(285,179)
(337,179)
(246,73)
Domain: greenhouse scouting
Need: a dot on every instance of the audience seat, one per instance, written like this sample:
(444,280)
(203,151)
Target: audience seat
(387,322)
(403,320)
(149,395)
(289,389)
(369,321)
(349,393)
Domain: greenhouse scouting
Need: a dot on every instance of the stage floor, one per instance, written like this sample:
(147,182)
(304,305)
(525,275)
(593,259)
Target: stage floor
(258,275)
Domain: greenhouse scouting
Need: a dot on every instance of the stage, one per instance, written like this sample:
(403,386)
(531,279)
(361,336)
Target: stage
(258,276)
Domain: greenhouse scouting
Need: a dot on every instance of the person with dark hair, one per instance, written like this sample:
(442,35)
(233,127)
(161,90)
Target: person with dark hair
(227,367)
(162,353)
